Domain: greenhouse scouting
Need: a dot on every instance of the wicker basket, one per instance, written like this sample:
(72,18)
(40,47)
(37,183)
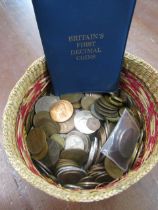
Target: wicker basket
(138,79)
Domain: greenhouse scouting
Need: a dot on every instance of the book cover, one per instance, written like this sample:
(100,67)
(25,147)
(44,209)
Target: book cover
(84,42)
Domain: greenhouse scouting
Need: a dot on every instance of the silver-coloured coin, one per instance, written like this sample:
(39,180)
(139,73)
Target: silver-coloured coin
(126,146)
(98,116)
(92,153)
(45,103)
(67,126)
(93,124)
(73,187)
(94,95)
(74,141)
(80,121)
(77,140)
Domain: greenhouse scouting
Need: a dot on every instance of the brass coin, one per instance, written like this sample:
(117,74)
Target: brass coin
(76,105)
(40,116)
(106,101)
(114,102)
(60,140)
(112,169)
(36,140)
(42,154)
(73,98)
(49,127)
(77,155)
(113,119)
(29,120)
(118,99)
(61,111)
(87,101)
(105,113)
(67,126)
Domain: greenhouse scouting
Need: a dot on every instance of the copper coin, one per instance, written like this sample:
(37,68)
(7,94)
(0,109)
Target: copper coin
(61,111)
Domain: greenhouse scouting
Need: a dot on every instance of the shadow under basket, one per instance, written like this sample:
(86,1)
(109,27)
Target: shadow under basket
(138,79)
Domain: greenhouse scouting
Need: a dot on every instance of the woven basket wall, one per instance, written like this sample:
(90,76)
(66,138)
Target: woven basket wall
(141,82)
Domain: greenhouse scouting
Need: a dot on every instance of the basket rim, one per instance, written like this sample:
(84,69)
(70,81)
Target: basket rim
(9,143)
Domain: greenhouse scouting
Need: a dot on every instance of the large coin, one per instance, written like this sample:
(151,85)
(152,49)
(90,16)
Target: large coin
(112,169)
(61,111)
(36,140)
(73,98)
(45,103)
(80,121)
(72,187)
(93,124)
(40,116)
(87,101)
(67,126)
(88,185)
(77,155)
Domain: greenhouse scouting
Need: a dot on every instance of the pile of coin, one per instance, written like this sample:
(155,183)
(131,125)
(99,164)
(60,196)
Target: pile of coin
(65,136)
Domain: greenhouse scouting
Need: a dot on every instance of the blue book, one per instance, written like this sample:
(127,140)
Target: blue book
(84,42)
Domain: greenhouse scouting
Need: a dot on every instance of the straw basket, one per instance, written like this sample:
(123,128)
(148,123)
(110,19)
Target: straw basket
(138,79)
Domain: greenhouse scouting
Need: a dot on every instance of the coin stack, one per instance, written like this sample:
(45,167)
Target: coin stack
(66,134)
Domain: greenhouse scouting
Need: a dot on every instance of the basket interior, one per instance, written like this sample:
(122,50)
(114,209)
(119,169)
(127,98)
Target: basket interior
(129,83)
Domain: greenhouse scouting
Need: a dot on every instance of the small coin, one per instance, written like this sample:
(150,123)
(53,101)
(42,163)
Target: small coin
(93,124)
(112,169)
(42,154)
(49,127)
(113,119)
(59,139)
(80,121)
(77,155)
(73,98)
(115,102)
(36,140)
(40,116)
(87,101)
(121,100)
(70,175)
(67,126)
(61,111)
(44,103)
(95,114)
